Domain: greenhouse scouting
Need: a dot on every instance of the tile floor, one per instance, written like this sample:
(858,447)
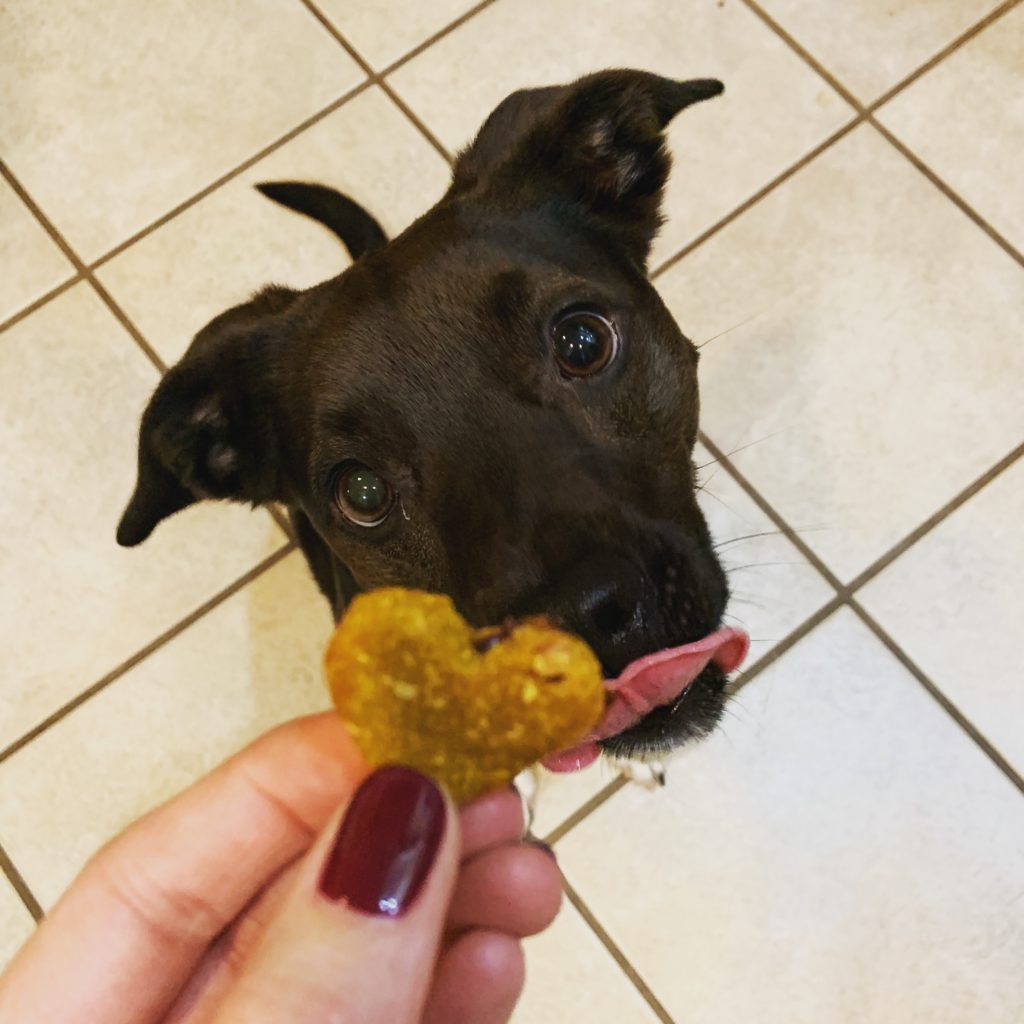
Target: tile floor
(846,224)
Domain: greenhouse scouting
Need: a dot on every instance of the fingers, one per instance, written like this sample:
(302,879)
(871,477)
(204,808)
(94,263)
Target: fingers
(488,825)
(229,954)
(513,889)
(478,981)
(144,910)
(358,936)
(490,821)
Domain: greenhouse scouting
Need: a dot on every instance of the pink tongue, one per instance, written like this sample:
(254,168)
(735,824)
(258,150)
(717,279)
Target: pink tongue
(650,682)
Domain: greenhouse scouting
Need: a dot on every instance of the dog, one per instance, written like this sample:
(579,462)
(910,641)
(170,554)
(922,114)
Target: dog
(495,405)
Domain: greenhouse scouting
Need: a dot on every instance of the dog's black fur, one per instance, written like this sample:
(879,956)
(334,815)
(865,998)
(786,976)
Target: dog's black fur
(430,360)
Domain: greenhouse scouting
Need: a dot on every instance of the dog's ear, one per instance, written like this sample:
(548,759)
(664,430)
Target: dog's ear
(210,429)
(598,143)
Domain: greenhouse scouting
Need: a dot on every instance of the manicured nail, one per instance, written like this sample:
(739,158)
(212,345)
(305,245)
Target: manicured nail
(386,844)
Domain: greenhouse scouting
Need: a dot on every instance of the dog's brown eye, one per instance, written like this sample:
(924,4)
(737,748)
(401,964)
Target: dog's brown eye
(585,343)
(363,496)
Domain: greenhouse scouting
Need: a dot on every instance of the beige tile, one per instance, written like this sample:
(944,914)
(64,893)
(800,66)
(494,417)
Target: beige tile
(15,922)
(250,664)
(234,241)
(874,381)
(954,603)
(571,976)
(32,262)
(117,112)
(870,45)
(773,587)
(381,31)
(965,119)
(774,110)
(845,854)
(74,605)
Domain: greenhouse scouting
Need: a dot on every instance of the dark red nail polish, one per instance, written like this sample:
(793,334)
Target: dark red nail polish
(386,844)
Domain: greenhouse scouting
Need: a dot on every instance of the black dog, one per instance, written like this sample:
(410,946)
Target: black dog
(495,405)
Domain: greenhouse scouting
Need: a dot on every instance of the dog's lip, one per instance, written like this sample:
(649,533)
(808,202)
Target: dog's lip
(648,683)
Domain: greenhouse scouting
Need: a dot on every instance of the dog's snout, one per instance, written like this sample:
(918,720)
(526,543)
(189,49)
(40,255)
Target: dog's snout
(611,605)
(609,602)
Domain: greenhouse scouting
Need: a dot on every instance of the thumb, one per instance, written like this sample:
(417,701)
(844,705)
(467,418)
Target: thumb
(357,938)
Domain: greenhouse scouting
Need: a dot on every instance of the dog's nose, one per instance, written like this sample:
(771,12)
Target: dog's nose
(609,602)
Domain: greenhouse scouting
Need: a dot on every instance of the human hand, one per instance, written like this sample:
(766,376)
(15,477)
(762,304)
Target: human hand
(238,901)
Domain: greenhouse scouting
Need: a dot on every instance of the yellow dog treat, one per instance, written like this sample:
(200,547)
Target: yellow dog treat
(417,685)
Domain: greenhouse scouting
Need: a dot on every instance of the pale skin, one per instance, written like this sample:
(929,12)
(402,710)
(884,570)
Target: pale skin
(206,911)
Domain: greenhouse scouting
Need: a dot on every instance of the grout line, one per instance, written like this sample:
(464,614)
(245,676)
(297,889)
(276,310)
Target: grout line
(845,596)
(280,516)
(785,644)
(20,886)
(787,531)
(40,302)
(805,54)
(436,37)
(81,268)
(376,78)
(179,627)
(233,173)
(948,192)
(126,323)
(788,173)
(867,113)
(585,810)
(420,125)
(940,698)
(863,114)
(617,955)
(931,522)
(938,58)
(846,590)
(326,22)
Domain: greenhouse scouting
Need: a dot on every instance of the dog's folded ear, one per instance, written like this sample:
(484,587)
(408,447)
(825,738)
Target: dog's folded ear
(209,429)
(598,143)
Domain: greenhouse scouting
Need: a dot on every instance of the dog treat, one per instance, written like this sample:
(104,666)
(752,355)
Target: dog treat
(417,685)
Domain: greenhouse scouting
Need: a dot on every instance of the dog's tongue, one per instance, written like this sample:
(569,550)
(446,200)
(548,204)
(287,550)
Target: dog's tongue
(650,682)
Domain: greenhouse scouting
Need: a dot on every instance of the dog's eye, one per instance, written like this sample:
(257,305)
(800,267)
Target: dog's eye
(585,343)
(364,497)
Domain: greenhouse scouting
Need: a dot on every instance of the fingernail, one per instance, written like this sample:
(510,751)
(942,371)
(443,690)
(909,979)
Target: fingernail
(386,844)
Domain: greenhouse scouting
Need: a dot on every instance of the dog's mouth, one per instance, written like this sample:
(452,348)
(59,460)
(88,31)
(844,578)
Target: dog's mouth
(652,682)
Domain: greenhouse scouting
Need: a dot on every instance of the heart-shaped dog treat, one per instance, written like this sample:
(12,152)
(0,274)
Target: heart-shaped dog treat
(417,685)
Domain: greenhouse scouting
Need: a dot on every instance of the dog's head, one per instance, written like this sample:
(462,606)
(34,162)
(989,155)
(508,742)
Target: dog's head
(495,405)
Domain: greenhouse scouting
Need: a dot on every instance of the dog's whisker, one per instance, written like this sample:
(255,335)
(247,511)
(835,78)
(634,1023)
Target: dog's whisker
(727,710)
(701,486)
(748,536)
(729,330)
(735,709)
(710,494)
(728,455)
(759,565)
(750,444)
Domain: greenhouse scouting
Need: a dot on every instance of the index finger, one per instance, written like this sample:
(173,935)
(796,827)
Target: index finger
(145,908)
